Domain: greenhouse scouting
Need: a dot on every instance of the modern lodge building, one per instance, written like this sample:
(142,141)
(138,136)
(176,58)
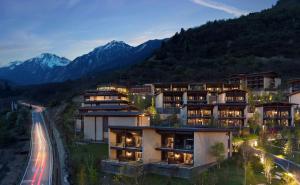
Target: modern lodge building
(207,113)
(161,149)
(105,106)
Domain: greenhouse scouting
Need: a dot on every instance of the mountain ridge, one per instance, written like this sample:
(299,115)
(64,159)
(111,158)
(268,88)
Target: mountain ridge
(262,41)
(48,68)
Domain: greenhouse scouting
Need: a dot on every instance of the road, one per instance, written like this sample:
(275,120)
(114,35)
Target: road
(287,165)
(40,164)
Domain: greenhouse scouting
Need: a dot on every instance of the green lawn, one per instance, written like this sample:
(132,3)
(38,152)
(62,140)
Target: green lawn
(85,161)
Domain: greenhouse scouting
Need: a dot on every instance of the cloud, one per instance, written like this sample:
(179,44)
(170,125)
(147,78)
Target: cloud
(220,6)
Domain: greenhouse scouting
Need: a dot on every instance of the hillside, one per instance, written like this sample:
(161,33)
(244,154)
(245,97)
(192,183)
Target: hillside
(264,41)
(50,68)
(268,40)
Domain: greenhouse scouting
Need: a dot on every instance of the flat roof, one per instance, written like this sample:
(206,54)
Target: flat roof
(293,93)
(113,113)
(107,106)
(178,129)
(103,93)
(106,101)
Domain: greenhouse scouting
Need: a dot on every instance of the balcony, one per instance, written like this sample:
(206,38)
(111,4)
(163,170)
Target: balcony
(126,146)
(231,117)
(191,116)
(277,117)
(176,148)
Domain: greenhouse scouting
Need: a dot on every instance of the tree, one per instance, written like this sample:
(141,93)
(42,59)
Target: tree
(297,137)
(268,164)
(288,179)
(218,151)
(288,147)
(253,122)
(246,153)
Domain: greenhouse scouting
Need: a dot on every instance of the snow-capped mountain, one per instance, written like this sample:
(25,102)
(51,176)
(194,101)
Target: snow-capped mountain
(47,67)
(49,60)
(39,69)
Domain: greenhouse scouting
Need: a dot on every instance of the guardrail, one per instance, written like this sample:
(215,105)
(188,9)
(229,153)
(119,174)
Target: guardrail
(56,175)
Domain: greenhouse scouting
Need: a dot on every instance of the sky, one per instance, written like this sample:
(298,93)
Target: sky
(71,28)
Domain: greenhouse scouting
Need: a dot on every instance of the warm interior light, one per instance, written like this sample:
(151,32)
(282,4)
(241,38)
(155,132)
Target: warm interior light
(177,156)
(128,154)
(128,140)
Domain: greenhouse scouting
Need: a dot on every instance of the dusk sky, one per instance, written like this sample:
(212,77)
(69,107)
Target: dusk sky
(71,28)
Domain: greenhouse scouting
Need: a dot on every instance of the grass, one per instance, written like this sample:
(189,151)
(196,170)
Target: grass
(86,156)
(232,168)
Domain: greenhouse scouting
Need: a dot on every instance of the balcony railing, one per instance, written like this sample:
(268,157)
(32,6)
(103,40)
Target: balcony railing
(277,117)
(200,116)
(124,145)
(187,148)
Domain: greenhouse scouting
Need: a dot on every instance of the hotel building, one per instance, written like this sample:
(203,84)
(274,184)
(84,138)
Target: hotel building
(105,106)
(161,149)
(231,108)
(257,82)
(276,114)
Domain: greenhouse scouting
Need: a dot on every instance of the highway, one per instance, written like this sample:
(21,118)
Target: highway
(40,164)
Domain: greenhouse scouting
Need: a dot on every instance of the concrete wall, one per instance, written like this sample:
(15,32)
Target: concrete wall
(89,128)
(159,100)
(183,115)
(221,98)
(122,121)
(202,143)
(151,140)
(144,120)
(184,98)
(260,111)
(267,82)
(112,154)
(99,128)
(293,115)
(277,82)
(295,98)
(215,112)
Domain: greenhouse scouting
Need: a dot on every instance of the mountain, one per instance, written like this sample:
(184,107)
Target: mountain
(40,69)
(48,67)
(113,55)
(263,41)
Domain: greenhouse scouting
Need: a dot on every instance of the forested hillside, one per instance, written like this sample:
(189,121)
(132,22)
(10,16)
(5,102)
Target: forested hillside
(268,40)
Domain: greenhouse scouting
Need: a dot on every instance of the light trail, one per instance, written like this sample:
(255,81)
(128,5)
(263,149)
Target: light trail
(39,169)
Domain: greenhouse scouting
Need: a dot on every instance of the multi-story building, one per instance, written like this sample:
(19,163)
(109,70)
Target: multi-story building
(169,102)
(257,82)
(108,105)
(146,89)
(158,149)
(276,114)
(294,85)
(101,97)
(231,108)
(196,111)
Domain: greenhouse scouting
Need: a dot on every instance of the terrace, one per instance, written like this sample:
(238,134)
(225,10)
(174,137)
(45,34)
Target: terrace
(177,148)
(231,115)
(127,144)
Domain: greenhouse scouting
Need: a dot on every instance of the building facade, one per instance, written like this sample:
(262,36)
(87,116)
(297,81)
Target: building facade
(161,148)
